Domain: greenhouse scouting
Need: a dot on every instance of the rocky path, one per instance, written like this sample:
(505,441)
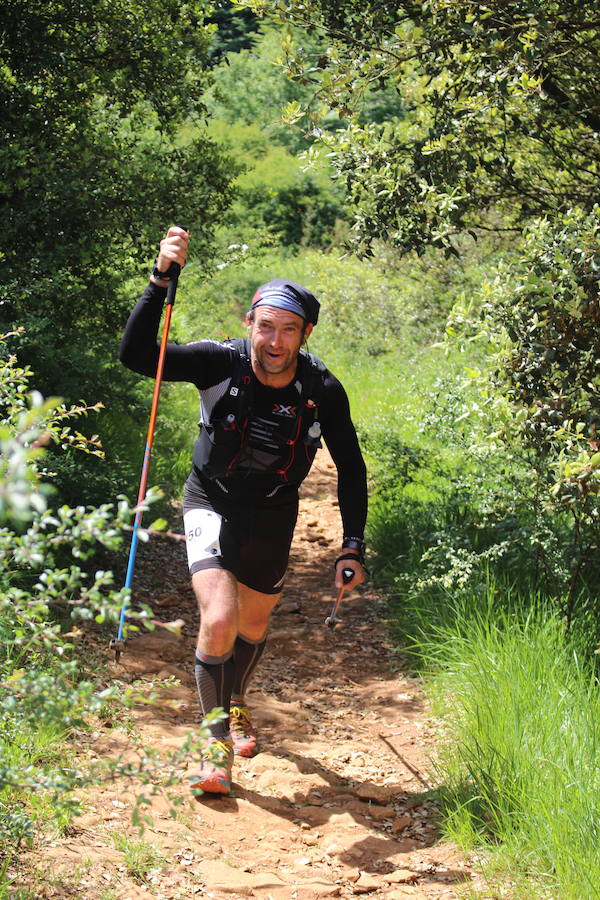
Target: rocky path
(334,805)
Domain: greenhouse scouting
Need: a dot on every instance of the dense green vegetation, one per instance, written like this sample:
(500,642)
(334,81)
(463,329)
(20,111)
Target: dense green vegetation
(455,145)
(495,115)
(92,168)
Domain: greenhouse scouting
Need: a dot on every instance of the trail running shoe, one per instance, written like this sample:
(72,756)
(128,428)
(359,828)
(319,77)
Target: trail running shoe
(245,742)
(214,776)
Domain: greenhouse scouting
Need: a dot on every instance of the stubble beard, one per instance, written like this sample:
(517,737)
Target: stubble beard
(287,363)
(275,367)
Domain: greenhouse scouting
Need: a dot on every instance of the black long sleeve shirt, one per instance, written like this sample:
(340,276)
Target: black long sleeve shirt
(208,365)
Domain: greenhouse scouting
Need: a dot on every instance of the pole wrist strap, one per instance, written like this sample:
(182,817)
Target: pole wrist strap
(162,278)
(350,556)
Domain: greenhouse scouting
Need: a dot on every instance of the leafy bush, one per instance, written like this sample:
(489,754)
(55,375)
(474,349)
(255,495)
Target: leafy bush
(279,194)
(250,88)
(50,593)
(495,122)
(541,389)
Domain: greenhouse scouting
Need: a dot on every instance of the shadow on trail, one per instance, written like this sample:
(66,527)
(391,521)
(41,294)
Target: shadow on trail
(376,853)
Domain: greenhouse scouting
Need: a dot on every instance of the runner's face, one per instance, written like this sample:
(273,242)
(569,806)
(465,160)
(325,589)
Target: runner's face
(276,336)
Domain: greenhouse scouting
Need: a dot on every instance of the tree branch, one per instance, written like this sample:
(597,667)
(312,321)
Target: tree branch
(556,93)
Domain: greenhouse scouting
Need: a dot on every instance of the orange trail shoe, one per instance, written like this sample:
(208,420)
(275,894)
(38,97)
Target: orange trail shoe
(214,776)
(245,741)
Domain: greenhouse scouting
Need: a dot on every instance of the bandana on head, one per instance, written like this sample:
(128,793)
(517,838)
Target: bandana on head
(290,296)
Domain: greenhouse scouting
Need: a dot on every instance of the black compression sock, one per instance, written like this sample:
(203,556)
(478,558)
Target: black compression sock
(246,655)
(214,678)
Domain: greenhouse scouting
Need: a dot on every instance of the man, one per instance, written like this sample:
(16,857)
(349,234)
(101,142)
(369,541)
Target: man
(264,406)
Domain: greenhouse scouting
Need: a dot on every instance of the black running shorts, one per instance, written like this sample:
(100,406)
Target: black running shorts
(250,540)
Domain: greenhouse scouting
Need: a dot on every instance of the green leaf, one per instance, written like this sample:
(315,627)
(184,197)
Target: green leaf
(158,525)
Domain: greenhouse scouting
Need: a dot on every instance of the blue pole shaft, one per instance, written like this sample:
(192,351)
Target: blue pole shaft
(149,439)
(133,547)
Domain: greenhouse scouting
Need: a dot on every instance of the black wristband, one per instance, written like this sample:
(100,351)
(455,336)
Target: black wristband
(354,543)
(163,276)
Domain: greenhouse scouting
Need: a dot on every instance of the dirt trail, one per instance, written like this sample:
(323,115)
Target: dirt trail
(332,805)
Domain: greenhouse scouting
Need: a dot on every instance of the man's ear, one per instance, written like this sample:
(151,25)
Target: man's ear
(247,320)
(307,331)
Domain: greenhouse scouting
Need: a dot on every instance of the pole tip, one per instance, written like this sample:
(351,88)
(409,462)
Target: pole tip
(118,646)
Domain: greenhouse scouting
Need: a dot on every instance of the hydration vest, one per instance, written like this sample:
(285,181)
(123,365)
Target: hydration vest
(221,441)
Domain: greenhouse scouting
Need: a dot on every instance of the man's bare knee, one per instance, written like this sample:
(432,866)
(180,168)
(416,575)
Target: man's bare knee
(216,594)
(255,612)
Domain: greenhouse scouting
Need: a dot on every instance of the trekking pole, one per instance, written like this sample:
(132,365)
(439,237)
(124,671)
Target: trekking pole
(347,576)
(118,644)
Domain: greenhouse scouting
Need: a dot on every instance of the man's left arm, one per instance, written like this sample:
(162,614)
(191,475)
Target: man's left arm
(340,436)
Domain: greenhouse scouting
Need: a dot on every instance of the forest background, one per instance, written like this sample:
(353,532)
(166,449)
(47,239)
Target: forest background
(430,170)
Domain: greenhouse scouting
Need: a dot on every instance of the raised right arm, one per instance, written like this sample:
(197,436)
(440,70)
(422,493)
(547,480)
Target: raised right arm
(203,362)
(139,346)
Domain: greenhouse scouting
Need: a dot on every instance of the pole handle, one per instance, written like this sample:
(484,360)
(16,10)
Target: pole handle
(173,273)
(174,270)
(347,575)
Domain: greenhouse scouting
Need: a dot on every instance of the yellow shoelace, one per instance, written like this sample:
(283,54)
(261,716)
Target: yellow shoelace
(219,752)
(240,717)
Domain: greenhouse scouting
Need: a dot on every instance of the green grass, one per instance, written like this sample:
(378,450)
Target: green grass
(139,855)
(24,748)
(520,769)
(23,812)
(9,893)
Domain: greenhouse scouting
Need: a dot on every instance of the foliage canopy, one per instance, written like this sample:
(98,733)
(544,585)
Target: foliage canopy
(497,110)
(93,168)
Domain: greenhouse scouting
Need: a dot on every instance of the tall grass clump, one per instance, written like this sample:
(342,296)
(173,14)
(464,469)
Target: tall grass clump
(461,541)
(519,768)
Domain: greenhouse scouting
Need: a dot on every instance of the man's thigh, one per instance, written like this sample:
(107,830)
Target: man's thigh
(260,542)
(215,590)
(253,544)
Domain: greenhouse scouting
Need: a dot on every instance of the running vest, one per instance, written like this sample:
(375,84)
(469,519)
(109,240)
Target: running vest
(221,441)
